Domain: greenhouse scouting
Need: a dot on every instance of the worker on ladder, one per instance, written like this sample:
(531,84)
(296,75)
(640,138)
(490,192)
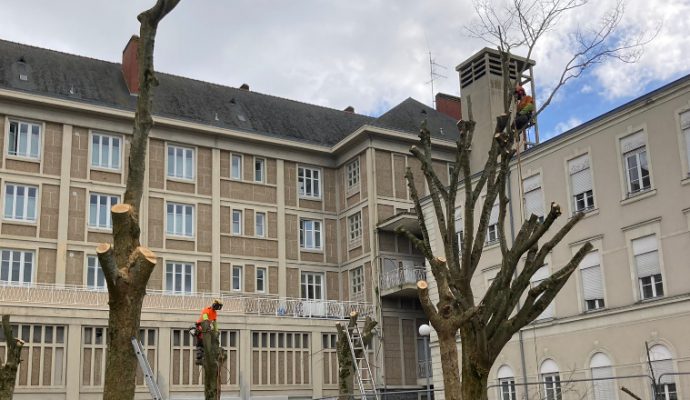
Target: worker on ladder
(525,108)
(207,314)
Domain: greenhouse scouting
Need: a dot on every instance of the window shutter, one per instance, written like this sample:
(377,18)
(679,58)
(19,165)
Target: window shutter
(534,203)
(581,181)
(685,120)
(646,256)
(604,389)
(493,218)
(662,367)
(685,126)
(458,220)
(632,142)
(541,274)
(592,285)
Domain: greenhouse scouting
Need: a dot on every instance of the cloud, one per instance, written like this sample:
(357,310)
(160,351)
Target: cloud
(565,126)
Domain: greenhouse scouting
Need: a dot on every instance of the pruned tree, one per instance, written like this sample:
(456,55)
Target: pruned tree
(214,357)
(126,264)
(346,365)
(8,368)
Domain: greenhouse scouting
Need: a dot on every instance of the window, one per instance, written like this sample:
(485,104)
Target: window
(647,264)
(236,222)
(260,224)
(357,281)
(310,234)
(180,162)
(236,278)
(533,198)
(603,387)
(178,277)
(551,379)
(180,220)
(592,287)
(105,151)
(309,182)
(236,167)
(16,266)
(541,274)
(635,163)
(94,274)
(259,169)
(352,171)
(312,286)
(459,227)
(581,183)
(685,127)
(24,139)
(20,202)
(354,223)
(662,364)
(506,383)
(99,210)
(492,234)
(261,280)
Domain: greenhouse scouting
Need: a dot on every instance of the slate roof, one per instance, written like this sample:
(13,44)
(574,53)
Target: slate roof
(67,76)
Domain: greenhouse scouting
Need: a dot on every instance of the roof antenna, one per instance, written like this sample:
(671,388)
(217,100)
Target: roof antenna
(434,75)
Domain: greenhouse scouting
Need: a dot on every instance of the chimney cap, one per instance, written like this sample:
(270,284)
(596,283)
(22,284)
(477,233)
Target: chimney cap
(244,86)
(349,109)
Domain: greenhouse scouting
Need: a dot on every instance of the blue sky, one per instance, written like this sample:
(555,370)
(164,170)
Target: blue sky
(369,54)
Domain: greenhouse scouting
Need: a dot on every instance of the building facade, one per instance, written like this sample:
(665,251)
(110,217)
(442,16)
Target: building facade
(284,210)
(627,306)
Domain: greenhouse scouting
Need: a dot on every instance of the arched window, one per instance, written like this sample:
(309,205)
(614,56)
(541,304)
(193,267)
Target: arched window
(602,387)
(551,378)
(506,381)
(662,364)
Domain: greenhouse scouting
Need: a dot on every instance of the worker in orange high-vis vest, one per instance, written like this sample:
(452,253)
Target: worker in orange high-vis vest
(525,108)
(207,314)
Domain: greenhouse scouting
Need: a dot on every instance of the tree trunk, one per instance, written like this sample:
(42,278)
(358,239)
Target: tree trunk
(123,324)
(8,372)
(346,365)
(449,362)
(213,359)
(476,363)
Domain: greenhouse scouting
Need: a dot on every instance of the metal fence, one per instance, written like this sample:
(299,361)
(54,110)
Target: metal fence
(78,296)
(402,276)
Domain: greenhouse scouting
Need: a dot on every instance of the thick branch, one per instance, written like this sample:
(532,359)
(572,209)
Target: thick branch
(125,232)
(106,259)
(142,262)
(14,345)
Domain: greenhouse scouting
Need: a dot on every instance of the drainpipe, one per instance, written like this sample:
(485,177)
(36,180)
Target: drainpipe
(512,235)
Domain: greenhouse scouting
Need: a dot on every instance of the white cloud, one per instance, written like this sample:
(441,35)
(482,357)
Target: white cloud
(565,126)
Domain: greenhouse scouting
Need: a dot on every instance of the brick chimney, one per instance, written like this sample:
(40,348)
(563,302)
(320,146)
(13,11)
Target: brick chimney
(349,109)
(449,105)
(244,86)
(130,66)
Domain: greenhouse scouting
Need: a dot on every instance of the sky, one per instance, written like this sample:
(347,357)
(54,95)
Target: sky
(368,54)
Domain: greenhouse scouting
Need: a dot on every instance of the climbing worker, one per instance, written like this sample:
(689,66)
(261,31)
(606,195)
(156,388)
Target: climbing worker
(207,314)
(525,108)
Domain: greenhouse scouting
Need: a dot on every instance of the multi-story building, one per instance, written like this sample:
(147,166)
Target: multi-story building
(283,209)
(628,171)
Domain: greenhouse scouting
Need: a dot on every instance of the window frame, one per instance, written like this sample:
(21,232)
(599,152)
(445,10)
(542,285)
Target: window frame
(352,174)
(94,272)
(238,169)
(264,280)
(22,253)
(182,274)
(302,182)
(25,203)
(684,131)
(240,222)
(587,197)
(552,386)
(354,229)
(109,222)
(173,233)
(507,383)
(240,276)
(357,281)
(304,285)
(655,282)
(182,175)
(262,224)
(262,162)
(637,153)
(101,135)
(314,232)
(29,143)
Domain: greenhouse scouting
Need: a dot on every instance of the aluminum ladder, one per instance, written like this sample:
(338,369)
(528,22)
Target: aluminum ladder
(146,369)
(362,367)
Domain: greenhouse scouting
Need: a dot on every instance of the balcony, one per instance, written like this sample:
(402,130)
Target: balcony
(402,281)
(78,297)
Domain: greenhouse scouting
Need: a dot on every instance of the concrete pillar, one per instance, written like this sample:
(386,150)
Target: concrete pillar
(316,365)
(215,218)
(73,366)
(282,254)
(245,364)
(164,347)
(63,217)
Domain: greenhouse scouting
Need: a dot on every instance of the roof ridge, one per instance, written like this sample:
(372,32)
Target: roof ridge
(59,52)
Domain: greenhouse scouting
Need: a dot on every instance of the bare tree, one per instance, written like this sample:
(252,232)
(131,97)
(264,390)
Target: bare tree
(8,369)
(126,264)
(346,365)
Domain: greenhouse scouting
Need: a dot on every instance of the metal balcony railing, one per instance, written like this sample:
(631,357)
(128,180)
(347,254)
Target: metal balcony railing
(424,369)
(83,297)
(402,276)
